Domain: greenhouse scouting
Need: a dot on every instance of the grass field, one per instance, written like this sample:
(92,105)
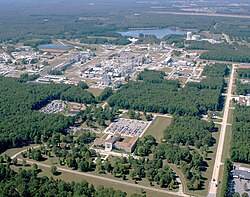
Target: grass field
(157,127)
(57,61)
(69,177)
(126,116)
(230,116)
(220,179)
(167,70)
(95,91)
(13,151)
(227,143)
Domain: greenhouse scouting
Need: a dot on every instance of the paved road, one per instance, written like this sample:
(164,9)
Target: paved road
(179,193)
(213,184)
(227,38)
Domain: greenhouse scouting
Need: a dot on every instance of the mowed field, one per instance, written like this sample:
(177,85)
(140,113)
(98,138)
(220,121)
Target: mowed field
(69,177)
(95,91)
(158,126)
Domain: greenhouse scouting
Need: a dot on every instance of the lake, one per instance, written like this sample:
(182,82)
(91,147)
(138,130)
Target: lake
(159,33)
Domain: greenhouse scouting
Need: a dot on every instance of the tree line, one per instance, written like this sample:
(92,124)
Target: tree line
(243,88)
(155,94)
(240,151)
(19,102)
(27,183)
(221,52)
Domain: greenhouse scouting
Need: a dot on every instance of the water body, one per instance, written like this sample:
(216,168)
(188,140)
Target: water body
(54,46)
(159,33)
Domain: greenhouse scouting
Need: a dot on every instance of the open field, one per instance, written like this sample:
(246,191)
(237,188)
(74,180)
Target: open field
(69,177)
(167,70)
(95,91)
(67,174)
(126,116)
(157,127)
(220,179)
(227,143)
(13,151)
(230,116)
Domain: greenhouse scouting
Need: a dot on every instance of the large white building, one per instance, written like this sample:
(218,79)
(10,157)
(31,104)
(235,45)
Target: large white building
(189,35)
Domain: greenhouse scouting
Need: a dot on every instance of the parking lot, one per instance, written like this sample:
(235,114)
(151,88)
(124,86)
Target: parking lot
(237,185)
(127,127)
(53,107)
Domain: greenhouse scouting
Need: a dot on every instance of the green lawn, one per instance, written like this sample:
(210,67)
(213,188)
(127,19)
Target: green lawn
(230,116)
(227,143)
(220,179)
(69,177)
(95,91)
(157,127)
(208,173)
(13,151)
(126,116)
(167,70)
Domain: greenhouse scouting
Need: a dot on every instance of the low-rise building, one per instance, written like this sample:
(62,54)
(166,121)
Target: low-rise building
(244,100)
(113,142)
(127,146)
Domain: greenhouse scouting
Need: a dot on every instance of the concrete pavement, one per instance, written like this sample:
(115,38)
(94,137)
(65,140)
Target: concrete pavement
(214,182)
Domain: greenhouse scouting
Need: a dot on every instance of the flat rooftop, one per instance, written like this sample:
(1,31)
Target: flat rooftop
(127,127)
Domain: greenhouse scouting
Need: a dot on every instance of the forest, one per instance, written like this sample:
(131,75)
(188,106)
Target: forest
(117,41)
(243,73)
(168,97)
(190,130)
(240,151)
(19,102)
(243,88)
(221,52)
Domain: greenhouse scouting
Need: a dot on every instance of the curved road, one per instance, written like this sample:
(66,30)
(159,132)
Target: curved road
(217,164)
(179,193)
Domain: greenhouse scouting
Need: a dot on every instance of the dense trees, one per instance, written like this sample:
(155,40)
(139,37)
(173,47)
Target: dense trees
(117,41)
(190,130)
(226,178)
(155,94)
(148,39)
(25,77)
(190,162)
(150,75)
(241,134)
(221,52)
(19,102)
(243,88)
(106,93)
(55,72)
(144,145)
(237,54)
(243,72)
